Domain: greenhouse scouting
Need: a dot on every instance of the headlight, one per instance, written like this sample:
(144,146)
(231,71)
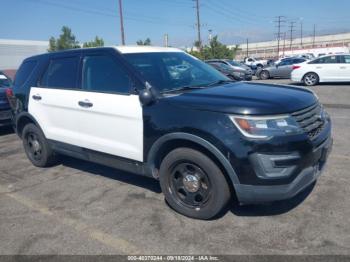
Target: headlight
(266,127)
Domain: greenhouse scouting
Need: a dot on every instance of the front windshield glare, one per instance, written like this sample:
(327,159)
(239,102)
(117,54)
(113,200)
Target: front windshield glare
(168,71)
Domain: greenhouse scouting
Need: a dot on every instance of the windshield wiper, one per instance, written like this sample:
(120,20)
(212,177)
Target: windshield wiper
(220,82)
(183,88)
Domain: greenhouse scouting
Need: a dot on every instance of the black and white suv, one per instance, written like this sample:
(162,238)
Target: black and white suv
(162,113)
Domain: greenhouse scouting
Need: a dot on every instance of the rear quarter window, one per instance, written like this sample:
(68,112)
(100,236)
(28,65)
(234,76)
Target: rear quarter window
(24,72)
(61,73)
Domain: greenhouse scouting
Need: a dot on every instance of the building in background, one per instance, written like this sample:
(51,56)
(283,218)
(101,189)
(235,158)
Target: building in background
(12,52)
(319,45)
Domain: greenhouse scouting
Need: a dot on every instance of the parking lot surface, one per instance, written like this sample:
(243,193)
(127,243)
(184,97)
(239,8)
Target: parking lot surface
(84,208)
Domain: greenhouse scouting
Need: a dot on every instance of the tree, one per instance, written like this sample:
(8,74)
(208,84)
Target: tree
(97,42)
(215,50)
(146,42)
(66,40)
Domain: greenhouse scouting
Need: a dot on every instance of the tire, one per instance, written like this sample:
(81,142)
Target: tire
(264,75)
(193,185)
(311,79)
(36,147)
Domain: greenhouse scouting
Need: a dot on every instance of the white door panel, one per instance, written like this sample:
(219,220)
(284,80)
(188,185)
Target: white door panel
(57,113)
(113,125)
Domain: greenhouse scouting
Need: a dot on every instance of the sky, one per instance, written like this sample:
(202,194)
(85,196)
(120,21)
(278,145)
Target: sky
(232,20)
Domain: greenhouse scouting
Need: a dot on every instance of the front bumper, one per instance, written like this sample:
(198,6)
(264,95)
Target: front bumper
(250,194)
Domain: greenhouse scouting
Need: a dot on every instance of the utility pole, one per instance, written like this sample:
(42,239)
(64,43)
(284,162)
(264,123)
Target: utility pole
(279,23)
(121,22)
(291,27)
(247,47)
(198,26)
(284,42)
(210,35)
(166,40)
(314,38)
(301,32)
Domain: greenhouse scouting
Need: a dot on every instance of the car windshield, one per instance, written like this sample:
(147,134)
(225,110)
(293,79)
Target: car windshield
(234,63)
(4,81)
(168,71)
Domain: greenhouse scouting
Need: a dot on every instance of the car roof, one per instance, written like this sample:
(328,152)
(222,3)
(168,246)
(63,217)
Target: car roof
(145,49)
(121,49)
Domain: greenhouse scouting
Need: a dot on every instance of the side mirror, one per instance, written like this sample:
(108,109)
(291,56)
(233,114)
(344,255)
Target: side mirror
(146,96)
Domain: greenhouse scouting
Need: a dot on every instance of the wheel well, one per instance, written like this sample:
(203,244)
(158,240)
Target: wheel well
(22,122)
(169,146)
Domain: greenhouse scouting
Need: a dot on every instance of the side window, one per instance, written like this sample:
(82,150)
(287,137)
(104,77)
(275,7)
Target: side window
(326,60)
(24,72)
(345,59)
(61,73)
(102,73)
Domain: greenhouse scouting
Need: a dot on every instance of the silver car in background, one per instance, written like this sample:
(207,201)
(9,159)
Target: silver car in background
(283,69)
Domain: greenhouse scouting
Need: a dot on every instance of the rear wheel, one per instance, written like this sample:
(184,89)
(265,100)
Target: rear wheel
(311,79)
(193,184)
(264,75)
(36,147)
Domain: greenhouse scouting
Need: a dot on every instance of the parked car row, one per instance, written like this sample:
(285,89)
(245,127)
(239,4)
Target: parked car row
(5,113)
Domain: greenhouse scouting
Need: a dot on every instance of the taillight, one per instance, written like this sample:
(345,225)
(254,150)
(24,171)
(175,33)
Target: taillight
(295,67)
(9,92)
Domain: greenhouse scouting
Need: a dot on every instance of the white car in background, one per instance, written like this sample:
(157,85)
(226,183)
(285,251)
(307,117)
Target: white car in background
(330,68)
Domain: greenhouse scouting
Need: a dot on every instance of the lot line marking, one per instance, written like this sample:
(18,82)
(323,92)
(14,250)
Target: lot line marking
(119,244)
(340,156)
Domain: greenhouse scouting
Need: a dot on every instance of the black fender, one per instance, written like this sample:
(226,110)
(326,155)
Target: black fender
(195,139)
(20,117)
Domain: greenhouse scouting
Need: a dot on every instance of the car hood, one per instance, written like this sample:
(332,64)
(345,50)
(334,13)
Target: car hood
(246,98)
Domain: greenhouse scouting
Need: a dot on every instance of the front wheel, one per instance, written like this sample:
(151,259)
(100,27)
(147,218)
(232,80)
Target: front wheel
(264,75)
(193,184)
(311,79)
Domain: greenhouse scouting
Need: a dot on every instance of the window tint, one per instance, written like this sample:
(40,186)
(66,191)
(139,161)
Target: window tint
(345,59)
(286,62)
(168,71)
(4,81)
(102,73)
(61,73)
(24,72)
(298,61)
(326,60)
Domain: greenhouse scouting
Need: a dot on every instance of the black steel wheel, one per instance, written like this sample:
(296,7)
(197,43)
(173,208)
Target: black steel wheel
(190,184)
(193,184)
(36,147)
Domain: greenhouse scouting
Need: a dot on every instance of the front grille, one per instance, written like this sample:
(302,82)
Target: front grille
(310,119)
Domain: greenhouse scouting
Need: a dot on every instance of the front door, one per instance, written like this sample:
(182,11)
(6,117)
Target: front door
(110,119)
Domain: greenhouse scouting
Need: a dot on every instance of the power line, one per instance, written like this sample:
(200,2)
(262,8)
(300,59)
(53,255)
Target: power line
(100,12)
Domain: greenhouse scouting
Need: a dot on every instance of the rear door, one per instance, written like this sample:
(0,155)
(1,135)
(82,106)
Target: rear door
(284,68)
(110,114)
(344,67)
(53,102)
(327,68)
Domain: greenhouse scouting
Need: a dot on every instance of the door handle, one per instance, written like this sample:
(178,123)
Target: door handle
(319,67)
(85,104)
(36,97)
(343,67)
